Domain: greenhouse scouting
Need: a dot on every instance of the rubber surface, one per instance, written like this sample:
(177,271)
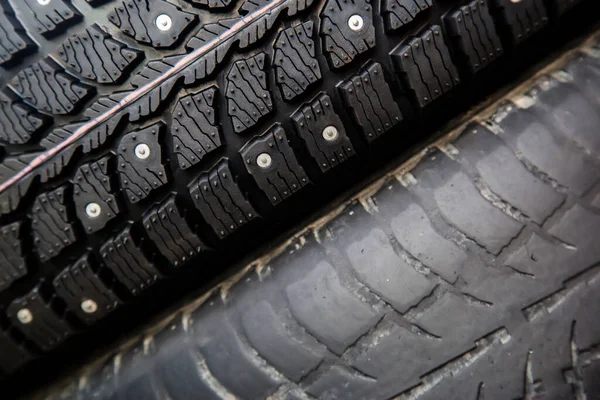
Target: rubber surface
(149,139)
(471,272)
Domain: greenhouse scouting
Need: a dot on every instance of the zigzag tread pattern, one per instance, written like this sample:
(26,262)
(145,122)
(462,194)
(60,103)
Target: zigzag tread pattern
(95,202)
(273,165)
(149,103)
(126,259)
(323,132)
(524,18)
(140,162)
(371,101)
(194,129)
(248,97)
(220,201)
(10,199)
(52,18)
(474,33)
(14,42)
(93,54)
(19,122)
(78,284)
(12,254)
(426,65)
(294,59)
(171,234)
(52,227)
(46,86)
(47,329)
(341,43)
(398,13)
(138,19)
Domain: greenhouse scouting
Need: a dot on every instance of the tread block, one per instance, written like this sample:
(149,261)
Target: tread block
(10,199)
(417,235)
(544,260)
(220,200)
(328,310)
(329,148)
(371,101)
(269,335)
(52,18)
(453,319)
(195,128)
(560,161)
(51,222)
(574,116)
(522,19)
(397,13)
(342,44)
(93,54)
(248,97)
(171,234)
(126,259)
(84,292)
(464,206)
(43,325)
(12,254)
(140,162)
(403,347)
(46,86)
(220,343)
(138,19)
(488,155)
(250,6)
(296,67)
(271,162)
(14,354)
(385,273)
(179,362)
(473,32)
(18,121)
(578,226)
(426,65)
(95,202)
(14,42)
(211,4)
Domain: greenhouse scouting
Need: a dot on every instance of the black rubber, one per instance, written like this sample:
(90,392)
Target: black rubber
(149,144)
(471,272)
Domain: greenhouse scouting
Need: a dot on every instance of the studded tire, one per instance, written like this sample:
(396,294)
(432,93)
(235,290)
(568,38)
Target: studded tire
(472,271)
(146,145)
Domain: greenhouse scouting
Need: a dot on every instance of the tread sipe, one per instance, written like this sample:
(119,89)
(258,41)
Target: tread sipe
(146,145)
(470,272)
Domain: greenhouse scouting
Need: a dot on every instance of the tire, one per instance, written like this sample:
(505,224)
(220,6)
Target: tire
(471,271)
(149,144)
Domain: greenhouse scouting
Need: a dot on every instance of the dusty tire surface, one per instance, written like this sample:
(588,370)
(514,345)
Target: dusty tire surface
(470,272)
(146,145)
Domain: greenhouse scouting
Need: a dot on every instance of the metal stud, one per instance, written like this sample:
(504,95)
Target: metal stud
(93,210)
(24,316)
(164,22)
(330,133)
(264,160)
(355,22)
(142,151)
(89,306)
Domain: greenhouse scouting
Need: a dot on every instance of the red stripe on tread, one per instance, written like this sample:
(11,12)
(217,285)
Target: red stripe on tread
(138,93)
